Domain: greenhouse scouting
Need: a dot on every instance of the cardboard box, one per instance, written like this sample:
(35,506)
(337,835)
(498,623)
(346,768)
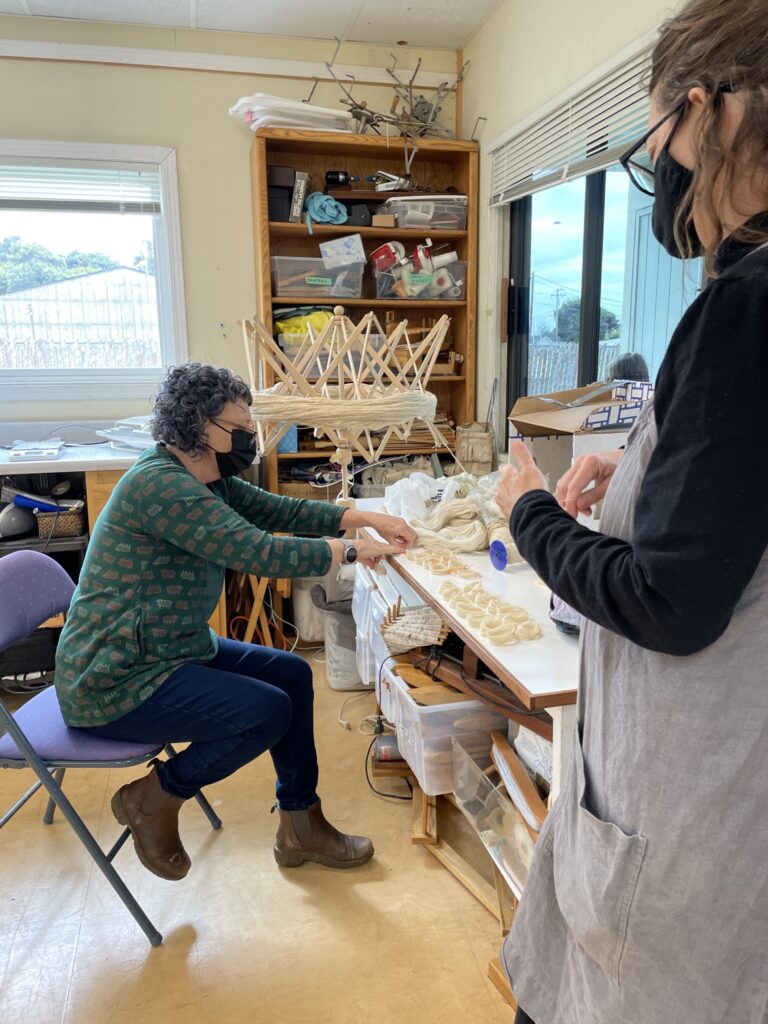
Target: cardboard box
(564,425)
(383,220)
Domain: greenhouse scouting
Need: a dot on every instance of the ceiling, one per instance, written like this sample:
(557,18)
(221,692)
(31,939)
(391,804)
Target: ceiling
(432,23)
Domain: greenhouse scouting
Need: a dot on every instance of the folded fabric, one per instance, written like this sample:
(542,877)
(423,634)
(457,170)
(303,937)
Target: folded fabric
(324,210)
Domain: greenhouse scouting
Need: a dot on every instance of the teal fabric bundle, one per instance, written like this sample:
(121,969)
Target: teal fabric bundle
(324,210)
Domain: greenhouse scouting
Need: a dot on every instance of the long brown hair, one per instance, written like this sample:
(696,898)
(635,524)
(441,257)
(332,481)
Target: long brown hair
(717,44)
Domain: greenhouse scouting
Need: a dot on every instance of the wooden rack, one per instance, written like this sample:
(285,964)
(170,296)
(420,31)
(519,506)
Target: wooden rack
(439,165)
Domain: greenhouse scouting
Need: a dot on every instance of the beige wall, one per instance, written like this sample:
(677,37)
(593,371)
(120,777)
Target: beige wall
(524,56)
(186,110)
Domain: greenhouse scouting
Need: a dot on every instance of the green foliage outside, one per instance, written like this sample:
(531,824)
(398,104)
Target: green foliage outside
(27,265)
(568,323)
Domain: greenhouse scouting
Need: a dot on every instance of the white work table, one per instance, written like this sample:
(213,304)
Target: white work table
(543,673)
(79,458)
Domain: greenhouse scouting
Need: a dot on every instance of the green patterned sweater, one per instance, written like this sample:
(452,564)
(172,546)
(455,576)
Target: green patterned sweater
(153,573)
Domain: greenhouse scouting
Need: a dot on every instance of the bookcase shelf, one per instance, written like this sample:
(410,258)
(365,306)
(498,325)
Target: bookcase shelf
(439,165)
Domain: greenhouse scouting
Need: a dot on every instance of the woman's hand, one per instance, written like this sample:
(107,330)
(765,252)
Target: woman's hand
(515,483)
(393,529)
(573,490)
(369,552)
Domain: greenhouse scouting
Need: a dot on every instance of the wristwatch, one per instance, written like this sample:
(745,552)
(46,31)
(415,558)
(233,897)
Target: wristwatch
(350,552)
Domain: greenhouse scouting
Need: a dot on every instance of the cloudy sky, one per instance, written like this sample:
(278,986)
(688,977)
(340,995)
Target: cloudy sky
(557,236)
(120,236)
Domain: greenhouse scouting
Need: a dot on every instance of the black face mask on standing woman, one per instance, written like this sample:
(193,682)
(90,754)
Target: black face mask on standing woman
(671,183)
(240,456)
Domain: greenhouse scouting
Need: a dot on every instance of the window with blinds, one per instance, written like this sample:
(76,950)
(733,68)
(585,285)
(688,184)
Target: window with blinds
(82,188)
(581,133)
(91,285)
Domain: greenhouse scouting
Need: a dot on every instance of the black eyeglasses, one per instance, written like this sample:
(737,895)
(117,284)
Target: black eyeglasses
(221,426)
(637,160)
(638,164)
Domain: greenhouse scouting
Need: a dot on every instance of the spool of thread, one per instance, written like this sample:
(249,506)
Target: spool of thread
(503,556)
(454,293)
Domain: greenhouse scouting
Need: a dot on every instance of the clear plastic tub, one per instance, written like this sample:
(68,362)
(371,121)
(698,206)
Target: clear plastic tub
(385,693)
(305,276)
(493,816)
(379,612)
(444,213)
(361,612)
(424,736)
(448,282)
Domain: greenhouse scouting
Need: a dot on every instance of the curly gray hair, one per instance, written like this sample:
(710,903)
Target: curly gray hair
(189,396)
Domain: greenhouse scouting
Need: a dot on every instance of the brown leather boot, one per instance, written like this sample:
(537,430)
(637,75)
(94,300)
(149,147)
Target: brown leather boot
(306,835)
(152,815)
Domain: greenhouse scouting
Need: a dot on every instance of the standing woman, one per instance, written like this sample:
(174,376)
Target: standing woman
(647,900)
(136,659)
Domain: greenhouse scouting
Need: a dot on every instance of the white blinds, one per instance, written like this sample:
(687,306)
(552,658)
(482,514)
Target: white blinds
(586,132)
(64,185)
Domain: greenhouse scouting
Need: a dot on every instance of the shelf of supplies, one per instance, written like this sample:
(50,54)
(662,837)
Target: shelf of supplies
(324,300)
(282,229)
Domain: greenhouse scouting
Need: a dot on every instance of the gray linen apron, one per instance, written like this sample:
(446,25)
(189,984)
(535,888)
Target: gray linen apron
(647,901)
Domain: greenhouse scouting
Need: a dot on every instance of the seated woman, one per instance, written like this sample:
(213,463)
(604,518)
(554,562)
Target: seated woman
(136,659)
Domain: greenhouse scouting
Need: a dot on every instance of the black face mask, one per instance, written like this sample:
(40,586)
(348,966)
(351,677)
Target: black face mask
(671,183)
(241,454)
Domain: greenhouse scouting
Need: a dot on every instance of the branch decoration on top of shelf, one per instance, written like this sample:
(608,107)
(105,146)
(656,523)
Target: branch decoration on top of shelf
(346,382)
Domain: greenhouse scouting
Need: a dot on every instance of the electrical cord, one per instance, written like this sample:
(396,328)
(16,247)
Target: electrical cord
(379,792)
(355,696)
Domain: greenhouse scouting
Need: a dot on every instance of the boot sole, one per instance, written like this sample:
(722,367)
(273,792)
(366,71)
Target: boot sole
(294,859)
(121,815)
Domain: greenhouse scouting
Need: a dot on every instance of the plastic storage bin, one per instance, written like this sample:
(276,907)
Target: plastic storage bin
(493,816)
(303,276)
(444,213)
(449,282)
(385,693)
(379,612)
(424,736)
(361,612)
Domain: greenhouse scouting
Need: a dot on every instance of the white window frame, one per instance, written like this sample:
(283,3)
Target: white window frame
(109,384)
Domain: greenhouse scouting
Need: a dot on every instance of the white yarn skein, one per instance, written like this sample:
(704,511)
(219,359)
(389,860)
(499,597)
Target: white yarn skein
(343,411)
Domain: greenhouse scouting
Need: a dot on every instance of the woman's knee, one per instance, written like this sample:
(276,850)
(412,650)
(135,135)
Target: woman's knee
(278,715)
(295,667)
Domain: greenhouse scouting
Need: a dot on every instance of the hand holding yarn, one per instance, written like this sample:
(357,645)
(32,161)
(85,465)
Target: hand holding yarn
(393,529)
(515,483)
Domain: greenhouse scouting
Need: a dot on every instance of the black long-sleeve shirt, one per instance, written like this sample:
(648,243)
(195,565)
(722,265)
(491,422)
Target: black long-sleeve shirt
(701,517)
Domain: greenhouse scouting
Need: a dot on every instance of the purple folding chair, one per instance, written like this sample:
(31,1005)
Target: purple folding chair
(33,587)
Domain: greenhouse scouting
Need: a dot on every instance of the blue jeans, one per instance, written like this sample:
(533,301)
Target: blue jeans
(248,699)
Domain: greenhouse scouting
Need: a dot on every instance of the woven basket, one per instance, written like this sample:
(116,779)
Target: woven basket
(60,524)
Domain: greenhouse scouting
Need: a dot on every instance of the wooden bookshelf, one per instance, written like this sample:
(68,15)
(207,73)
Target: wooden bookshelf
(439,165)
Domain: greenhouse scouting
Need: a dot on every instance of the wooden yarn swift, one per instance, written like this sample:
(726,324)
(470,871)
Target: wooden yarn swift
(361,385)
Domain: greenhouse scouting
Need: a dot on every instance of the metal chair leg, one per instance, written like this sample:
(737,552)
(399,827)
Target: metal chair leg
(40,769)
(20,803)
(48,816)
(205,807)
(102,861)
